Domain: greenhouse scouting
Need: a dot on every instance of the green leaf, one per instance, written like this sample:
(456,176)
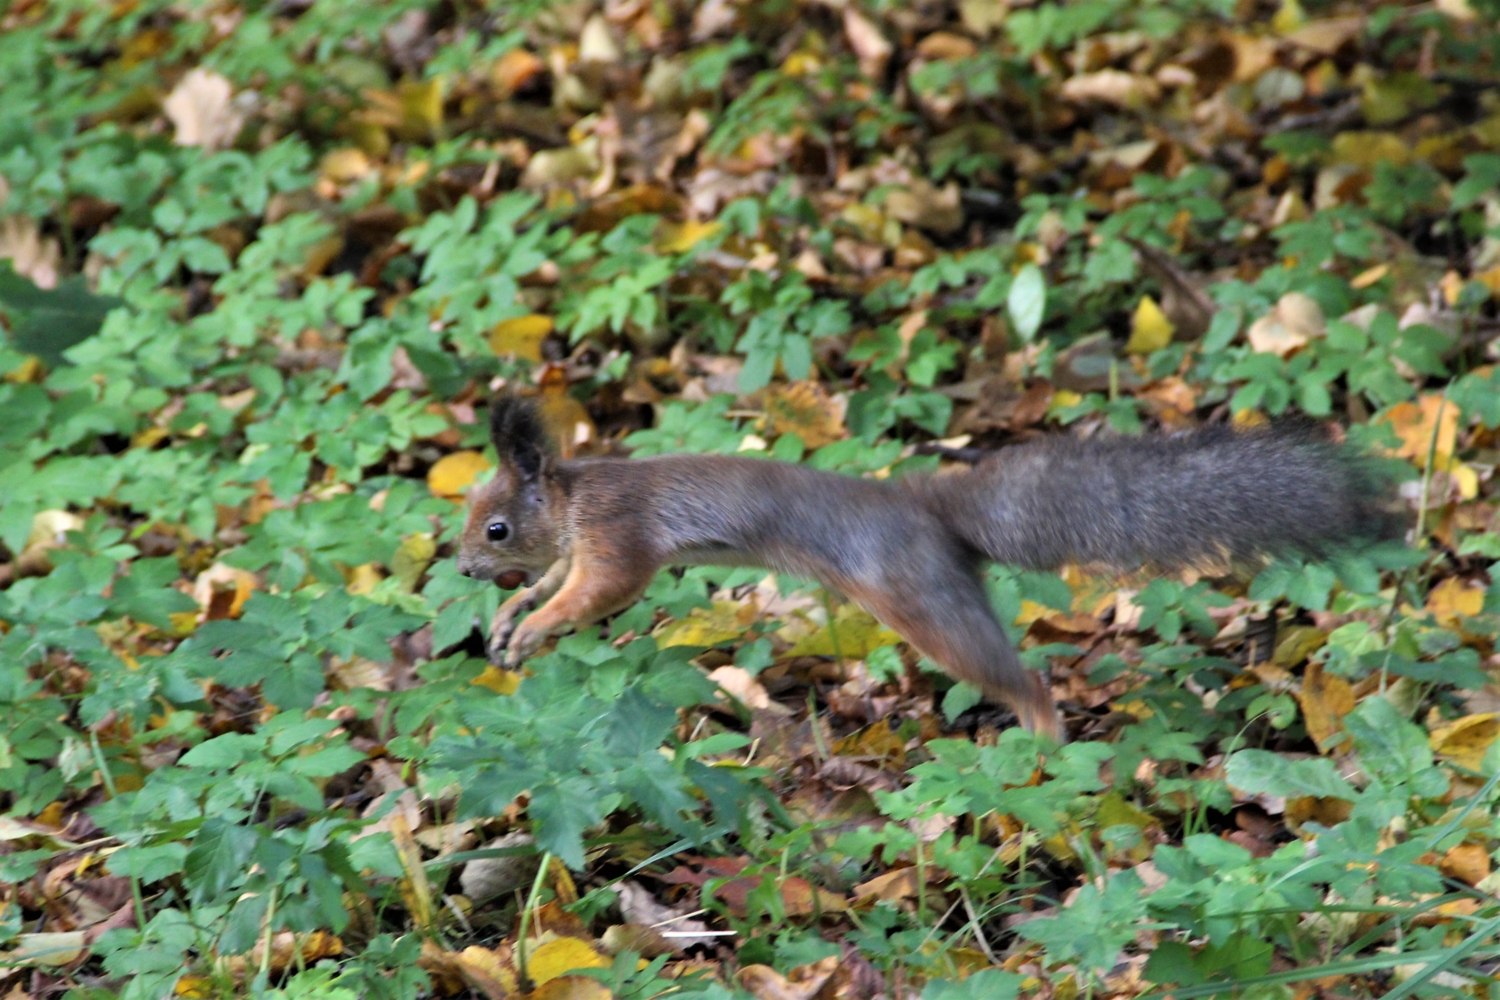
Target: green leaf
(1027,302)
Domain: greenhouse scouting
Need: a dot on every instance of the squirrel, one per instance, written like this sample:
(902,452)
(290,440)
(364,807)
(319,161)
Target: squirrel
(583,538)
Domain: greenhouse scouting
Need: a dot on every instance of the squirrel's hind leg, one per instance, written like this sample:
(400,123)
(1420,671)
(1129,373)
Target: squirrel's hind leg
(951,622)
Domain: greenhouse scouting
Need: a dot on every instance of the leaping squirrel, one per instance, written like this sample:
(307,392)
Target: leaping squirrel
(585,537)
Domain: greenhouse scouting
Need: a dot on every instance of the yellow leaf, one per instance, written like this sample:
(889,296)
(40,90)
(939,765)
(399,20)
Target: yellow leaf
(1465,741)
(412,558)
(343,165)
(853,633)
(808,411)
(1325,699)
(723,621)
(488,971)
(1417,423)
(521,336)
(194,987)
(421,104)
(562,955)
(1369,276)
(498,681)
(1452,599)
(1366,149)
(1150,330)
(1289,18)
(1062,399)
(1463,477)
(362,579)
(453,474)
(681,239)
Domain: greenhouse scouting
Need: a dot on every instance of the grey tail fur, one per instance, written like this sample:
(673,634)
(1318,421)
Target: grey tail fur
(1196,498)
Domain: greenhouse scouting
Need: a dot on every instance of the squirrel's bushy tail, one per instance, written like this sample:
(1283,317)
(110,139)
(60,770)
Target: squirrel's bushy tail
(1168,501)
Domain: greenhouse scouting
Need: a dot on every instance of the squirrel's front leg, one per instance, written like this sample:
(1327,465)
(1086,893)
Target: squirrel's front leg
(594,587)
(507,616)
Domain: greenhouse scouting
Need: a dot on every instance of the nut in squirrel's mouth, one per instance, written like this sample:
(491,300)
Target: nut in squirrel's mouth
(512,579)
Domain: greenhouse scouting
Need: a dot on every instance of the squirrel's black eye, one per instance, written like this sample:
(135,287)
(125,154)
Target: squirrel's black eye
(498,531)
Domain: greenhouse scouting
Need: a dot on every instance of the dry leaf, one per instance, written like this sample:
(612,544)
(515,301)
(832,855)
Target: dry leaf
(202,110)
(1296,319)
(1466,862)
(1112,86)
(927,207)
(720,622)
(804,983)
(869,45)
(486,878)
(1465,741)
(739,684)
(221,591)
(807,410)
(521,336)
(554,958)
(487,971)
(1416,424)
(1455,599)
(452,475)
(1325,698)
(682,238)
(30,255)
(1150,330)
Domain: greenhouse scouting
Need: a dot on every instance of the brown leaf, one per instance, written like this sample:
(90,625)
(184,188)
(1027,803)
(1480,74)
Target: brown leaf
(804,983)
(1325,698)
(1466,862)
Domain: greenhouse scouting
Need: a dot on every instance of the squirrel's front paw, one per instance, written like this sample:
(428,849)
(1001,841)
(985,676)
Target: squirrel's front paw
(522,644)
(503,625)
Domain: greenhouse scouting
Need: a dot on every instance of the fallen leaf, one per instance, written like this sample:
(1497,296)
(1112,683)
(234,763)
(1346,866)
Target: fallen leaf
(925,206)
(559,956)
(803,983)
(1296,319)
(221,591)
(1426,427)
(1150,330)
(739,684)
(452,475)
(1455,599)
(1112,86)
(869,45)
(807,410)
(1325,698)
(202,111)
(682,238)
(720,622)
(30,255)
(1465,741)
(487,971)
(521,336)
(1466,862)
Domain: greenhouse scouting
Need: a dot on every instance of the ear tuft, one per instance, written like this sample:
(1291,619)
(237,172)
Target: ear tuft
(517,432)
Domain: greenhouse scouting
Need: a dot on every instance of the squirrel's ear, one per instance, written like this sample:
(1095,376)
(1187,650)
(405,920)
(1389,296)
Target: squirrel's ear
(519,437)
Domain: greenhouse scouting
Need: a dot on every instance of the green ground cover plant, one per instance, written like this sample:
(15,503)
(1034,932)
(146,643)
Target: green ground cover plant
(263,264)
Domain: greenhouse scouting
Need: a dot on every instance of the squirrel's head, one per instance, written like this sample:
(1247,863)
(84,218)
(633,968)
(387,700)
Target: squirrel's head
(513,531)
